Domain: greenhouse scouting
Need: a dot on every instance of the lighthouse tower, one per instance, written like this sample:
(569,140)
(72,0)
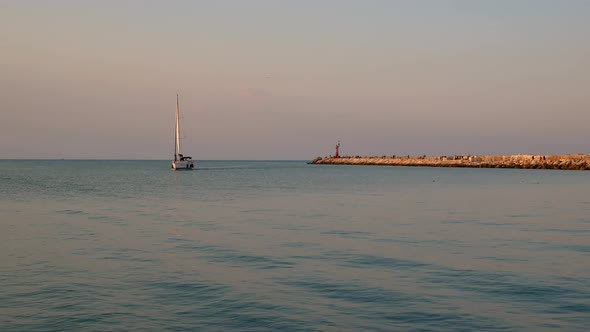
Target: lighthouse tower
(337,154)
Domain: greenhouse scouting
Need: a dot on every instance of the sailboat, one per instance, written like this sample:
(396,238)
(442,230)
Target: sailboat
(180,162)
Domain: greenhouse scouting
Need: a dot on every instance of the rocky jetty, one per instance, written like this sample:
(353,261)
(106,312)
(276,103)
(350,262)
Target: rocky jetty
(565,162)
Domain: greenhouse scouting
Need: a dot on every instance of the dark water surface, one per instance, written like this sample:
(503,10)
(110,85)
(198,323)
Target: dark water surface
(285,246)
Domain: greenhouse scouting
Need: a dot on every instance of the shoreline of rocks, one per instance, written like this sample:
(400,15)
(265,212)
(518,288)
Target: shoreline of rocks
(563,162)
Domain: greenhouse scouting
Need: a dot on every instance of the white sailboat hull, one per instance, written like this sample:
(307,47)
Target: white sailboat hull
(183,165)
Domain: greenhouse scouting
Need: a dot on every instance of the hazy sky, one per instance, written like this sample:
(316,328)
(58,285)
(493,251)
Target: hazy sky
(288,79)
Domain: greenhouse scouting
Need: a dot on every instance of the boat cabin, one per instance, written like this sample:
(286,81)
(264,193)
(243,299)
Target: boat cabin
(184,158)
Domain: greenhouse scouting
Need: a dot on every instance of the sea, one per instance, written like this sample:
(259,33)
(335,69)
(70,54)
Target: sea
(111,245)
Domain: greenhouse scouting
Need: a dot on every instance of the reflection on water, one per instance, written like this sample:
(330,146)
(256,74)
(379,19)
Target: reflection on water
(285,246)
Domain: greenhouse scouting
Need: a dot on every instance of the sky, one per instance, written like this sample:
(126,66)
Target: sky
(288,79)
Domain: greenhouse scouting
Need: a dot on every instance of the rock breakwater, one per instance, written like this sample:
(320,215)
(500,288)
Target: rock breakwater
(565,162)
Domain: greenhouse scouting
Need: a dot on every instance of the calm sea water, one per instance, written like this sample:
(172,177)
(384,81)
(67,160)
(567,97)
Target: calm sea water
(285,246)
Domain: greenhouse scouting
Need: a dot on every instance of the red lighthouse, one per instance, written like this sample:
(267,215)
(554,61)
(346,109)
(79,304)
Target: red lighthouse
(337,154)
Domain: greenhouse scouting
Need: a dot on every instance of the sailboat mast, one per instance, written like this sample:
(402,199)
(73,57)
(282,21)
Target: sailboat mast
(177,128)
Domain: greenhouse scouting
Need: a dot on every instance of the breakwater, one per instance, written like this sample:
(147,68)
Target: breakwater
(565,162)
